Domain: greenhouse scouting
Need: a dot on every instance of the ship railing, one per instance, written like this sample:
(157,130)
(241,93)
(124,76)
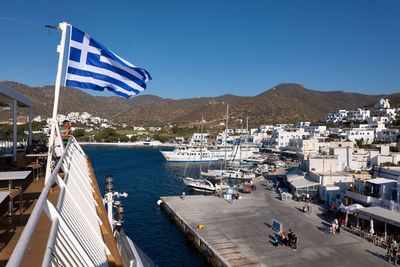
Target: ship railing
(75,237)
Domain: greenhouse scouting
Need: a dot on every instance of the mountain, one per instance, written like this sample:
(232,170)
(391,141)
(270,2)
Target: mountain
(72,99)
(285,103)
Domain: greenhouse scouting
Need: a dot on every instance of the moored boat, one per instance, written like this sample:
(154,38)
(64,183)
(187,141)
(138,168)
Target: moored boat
(200,185)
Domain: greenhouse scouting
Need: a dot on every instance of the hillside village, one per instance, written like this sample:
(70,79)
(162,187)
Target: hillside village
(349,144)
(351,158)
(362,128)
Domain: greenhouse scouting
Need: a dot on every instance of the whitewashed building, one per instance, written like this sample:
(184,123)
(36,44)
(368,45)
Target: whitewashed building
(387,135)
(358,115)
(337,115)
(280,138)
(354,134)
(383,103)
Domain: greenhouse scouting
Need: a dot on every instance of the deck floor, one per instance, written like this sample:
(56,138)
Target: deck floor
(241,233)
(12,227)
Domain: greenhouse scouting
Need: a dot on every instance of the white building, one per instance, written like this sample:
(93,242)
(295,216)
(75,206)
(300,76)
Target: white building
(307,146)
(383,103)
(358,115)
(351,159)
(196,138)
(241,131)
(37,118)
(320,163)
(387,135)
(317,131)
(280,138)
(337,115)
(355,134)
(303,124)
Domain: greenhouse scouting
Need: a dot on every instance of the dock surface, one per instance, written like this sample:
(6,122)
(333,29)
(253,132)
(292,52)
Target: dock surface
(240,234)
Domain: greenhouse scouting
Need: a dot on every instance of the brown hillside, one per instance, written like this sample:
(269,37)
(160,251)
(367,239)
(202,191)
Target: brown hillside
(283,103)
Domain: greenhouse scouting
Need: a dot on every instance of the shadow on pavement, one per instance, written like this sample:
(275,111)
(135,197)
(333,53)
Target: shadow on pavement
(324,230)
(383,257)
(268,225)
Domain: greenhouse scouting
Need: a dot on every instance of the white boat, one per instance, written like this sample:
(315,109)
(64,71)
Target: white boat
(148,143)
(230,174)
(201,185)
(209,153)
(221,186)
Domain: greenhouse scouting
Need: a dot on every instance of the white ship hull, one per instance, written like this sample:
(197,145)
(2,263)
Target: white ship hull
(231,174)
(193,154)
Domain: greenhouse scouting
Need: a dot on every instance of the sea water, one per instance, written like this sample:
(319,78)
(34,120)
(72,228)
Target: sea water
(145,176)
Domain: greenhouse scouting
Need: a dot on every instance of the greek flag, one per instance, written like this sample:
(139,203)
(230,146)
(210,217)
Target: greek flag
(92,66)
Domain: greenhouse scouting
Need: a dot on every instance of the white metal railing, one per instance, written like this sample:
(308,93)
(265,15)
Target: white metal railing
(75,236)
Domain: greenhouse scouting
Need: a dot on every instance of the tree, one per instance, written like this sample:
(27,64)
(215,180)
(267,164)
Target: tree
(79,133)
(330,124)
(394,149)
(396,122)
(124,138)
(333,137)
(161,138)
(346,124)
(360,143)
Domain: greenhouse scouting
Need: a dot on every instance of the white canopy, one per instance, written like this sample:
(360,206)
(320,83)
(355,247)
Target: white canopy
(352,208)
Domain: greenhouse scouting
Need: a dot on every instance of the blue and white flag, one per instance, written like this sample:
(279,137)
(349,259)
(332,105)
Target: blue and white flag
(92,66)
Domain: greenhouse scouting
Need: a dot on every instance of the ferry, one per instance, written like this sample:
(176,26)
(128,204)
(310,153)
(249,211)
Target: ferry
(190,153)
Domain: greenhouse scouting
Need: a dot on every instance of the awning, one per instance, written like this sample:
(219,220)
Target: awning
(300,182)
(381,181)
(289,152)
(352,208)
(8,94)
(303,183)
(381,214)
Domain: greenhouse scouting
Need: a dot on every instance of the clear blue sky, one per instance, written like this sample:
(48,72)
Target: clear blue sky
(210,48)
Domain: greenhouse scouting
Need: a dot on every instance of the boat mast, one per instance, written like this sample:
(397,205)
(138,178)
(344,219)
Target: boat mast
(226,131)
(60,49)
(201,145)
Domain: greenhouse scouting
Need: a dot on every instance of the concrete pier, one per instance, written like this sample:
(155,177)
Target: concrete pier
(240,234)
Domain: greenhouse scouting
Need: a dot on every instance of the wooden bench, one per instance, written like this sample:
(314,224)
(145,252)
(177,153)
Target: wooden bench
(34,166)
(17,191)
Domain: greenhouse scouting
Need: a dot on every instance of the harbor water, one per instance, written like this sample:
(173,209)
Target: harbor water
(145,176)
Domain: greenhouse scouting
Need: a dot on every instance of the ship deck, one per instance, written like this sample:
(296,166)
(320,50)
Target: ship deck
(12,227)
(240,234)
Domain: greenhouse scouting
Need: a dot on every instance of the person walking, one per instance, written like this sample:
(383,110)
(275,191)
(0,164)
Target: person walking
(294,241)
(338,226)
(389,249)
(395,248)
(290,235)
(333,228)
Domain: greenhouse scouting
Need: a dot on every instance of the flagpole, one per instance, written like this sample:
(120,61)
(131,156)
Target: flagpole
(60,49)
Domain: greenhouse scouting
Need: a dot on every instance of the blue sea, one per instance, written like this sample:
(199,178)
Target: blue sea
(145,176)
